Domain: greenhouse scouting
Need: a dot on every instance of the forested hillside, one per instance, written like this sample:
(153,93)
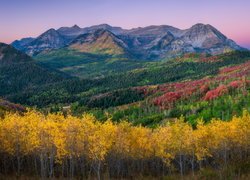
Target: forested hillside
(194,85)
(19,72)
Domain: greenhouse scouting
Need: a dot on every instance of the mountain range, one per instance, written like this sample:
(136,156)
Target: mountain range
(152,42)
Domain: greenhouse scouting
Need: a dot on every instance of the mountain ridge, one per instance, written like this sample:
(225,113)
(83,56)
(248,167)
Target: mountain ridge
(142,41)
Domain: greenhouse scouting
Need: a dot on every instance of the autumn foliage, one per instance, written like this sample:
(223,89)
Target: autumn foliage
(208,88)
(58,146)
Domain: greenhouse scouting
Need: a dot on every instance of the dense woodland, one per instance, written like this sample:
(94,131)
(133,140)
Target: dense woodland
(57,146)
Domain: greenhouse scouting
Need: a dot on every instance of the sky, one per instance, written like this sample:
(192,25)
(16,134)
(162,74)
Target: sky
(30,18)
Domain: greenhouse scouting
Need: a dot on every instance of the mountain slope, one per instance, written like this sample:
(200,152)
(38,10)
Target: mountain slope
(21,44)
(99,42)
(18,72)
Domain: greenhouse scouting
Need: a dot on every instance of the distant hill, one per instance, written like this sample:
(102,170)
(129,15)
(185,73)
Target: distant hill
(152,42)
(19,72)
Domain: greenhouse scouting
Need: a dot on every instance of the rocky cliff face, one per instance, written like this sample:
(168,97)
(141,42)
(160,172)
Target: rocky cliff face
(150,42)
(51,39)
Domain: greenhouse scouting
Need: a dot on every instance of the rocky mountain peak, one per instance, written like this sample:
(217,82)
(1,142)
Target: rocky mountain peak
(204,36)
(115,30)
(102,31)
(51,32)
(75,27)
(51,39)
(201,25)
(70,32)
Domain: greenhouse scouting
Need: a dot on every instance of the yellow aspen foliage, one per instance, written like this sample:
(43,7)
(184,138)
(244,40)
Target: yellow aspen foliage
(180,137)
(50,136)
(56,139)
(140,142)
(202,141)
(99,138)
(162,144)
(121,146)
(74,137)
(18,134)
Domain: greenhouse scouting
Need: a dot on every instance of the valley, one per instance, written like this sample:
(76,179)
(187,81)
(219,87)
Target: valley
(143,92)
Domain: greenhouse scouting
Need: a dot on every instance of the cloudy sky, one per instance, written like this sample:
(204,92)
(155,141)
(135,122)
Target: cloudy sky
(29,18)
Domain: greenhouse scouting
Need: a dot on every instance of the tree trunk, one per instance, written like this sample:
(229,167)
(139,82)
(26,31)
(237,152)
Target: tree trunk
(51,162)
(192,164)
(181,165)
(18,165)
(98,169)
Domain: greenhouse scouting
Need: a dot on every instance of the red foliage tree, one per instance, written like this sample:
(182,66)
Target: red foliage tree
(215,93)
(167,100)
(236,84)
